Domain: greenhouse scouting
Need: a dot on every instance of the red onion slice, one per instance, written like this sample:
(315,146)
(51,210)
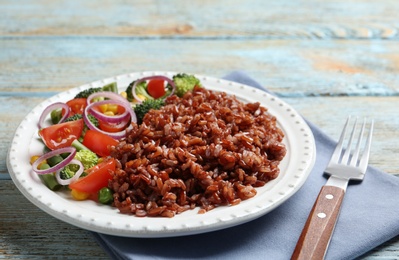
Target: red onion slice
(116,135)
(56,167)
(74,177)
(106,118)
(106,94)
(50,108)
(138,81)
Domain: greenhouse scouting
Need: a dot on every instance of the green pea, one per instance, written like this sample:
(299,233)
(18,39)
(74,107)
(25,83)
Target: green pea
(105,196)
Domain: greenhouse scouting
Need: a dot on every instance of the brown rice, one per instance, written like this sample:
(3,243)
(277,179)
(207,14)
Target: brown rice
(206,149)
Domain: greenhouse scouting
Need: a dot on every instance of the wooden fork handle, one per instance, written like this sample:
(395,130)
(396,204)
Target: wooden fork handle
(316,234)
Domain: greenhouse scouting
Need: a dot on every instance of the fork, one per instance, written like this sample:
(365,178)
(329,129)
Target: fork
(345,164)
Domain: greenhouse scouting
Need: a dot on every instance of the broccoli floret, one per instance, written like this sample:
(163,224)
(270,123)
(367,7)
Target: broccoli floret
(112,87)
(184,83)
(69,171)
(87,92)
(86,157)
(147,105)
(85,127)
(141,91)
(129,94)
(80,116)
(74,118)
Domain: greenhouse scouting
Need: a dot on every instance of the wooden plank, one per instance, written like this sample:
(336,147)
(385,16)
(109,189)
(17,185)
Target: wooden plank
(14,109)
(254,18)
(388,250)
(330,113)
(29,233)
(290,68)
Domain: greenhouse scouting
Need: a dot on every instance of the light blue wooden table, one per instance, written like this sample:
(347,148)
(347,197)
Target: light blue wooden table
(327,59)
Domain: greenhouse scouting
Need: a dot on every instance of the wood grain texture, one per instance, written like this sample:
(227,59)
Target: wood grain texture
(29,233)
(255,19)
(290,68)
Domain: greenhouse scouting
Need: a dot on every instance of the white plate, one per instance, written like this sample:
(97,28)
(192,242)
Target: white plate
(295,168)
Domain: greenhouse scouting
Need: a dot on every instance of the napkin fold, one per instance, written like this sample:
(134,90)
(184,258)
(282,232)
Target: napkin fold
(369,217)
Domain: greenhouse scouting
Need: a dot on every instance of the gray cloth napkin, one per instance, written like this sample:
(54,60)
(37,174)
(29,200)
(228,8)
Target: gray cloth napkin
(369,217)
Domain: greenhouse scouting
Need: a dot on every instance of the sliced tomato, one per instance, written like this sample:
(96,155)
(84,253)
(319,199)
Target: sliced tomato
(96,179)
(61,135)
(112,128)
(120,110)
(98,142)
(77,105)
(156,88)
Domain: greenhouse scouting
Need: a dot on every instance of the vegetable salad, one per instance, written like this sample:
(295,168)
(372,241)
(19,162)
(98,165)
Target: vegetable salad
(76,155)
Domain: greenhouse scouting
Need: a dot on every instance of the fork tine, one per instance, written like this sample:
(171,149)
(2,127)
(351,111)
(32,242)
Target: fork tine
(366,153)
(357,150)
(345,158)
(338,149)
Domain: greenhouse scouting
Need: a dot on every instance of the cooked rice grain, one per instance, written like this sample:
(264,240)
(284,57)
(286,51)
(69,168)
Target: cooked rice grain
(206,149)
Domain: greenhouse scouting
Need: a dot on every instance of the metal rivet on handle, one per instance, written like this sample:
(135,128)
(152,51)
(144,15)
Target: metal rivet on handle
(329,196)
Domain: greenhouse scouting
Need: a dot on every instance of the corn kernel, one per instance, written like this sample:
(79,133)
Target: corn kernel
(124,94)
(112,108)
(34,158)
(109,113)
(79,195)
(103,108)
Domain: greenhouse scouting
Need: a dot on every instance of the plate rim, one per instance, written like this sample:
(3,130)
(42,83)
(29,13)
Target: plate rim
(165,231)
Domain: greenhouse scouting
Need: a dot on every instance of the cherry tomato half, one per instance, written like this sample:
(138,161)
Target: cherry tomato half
(112,128)
(96,179)
(98,142)
(61,135)
(156,88)
(77,105)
